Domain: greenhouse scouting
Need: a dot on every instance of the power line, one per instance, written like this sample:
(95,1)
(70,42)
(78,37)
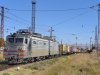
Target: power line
(75,9)
(48,10)
(42,10)
(53,25)
(13,19)
(18,17)
(24,21)
(10,18)
(64,21)
(92,7)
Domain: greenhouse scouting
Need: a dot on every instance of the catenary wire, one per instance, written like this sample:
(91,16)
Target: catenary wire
(51,10)
(72,18)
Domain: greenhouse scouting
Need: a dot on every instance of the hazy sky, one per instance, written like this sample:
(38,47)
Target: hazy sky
(80,22)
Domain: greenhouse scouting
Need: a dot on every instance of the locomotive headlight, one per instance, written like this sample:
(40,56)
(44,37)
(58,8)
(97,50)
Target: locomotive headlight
(20,50)
(6,49)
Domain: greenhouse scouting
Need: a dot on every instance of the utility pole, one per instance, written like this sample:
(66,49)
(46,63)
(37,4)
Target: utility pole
(2,28)
(51,31)
(90,42)
(76,42)
(61,42)
(33,16)
(86,46)
(98,42)
(96,37)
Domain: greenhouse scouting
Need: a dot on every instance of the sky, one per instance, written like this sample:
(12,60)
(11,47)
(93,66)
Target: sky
(62,18)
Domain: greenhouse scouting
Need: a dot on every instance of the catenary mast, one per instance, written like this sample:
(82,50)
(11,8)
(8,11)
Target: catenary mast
(96,39)
(2,27)
(33,16)
(98,46)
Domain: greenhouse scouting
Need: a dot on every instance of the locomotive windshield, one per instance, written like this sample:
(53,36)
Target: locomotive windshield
(11,40)
(18,40)
(15,40)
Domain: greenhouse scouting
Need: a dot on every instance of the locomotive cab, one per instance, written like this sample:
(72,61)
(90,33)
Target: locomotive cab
(16,48)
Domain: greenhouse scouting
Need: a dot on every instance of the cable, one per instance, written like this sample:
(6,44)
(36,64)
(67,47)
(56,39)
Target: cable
(50,10)
(93,7)
(18,17)
(53,10)
(24,21)
(47,10)
(70,19)
(56,10)
(12,19)
(17,20)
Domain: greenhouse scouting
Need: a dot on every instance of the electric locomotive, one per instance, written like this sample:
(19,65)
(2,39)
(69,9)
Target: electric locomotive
(24,46)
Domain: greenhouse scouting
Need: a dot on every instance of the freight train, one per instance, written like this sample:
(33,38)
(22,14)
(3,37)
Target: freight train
(24,47)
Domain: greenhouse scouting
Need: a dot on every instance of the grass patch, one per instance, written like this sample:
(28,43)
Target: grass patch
(35,66)
(42,64)
(5,74)
(77,64)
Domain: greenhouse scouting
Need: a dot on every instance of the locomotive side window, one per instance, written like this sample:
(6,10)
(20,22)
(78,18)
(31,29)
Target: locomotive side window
(11,40)
(44,43)
(18,40)
(26,41)
(34,42)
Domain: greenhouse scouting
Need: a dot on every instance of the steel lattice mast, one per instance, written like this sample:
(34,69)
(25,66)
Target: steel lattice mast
(2,28)
(98,43)
(96,37)
(33,15)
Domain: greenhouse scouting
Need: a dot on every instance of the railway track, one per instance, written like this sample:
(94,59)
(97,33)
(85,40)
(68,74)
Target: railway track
(4,64)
